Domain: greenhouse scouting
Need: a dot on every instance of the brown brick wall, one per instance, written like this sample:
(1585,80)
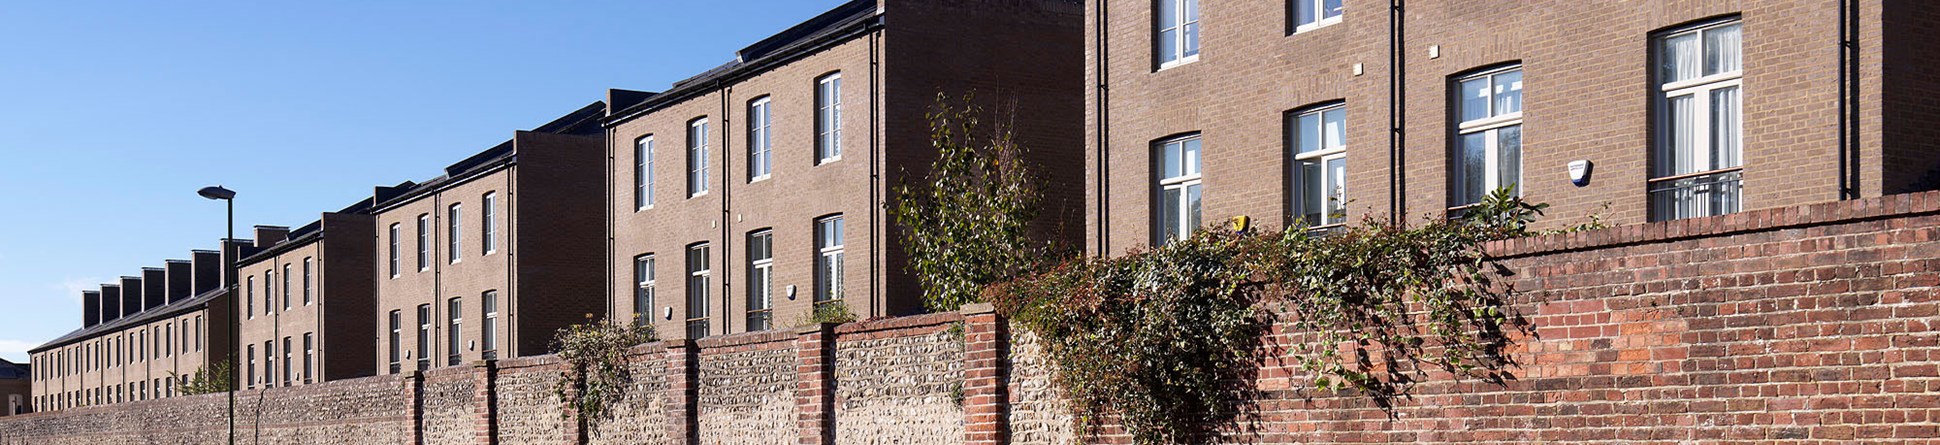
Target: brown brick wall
(1588,97)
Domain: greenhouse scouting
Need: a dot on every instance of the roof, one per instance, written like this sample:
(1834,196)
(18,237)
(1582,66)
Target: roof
(581,122)
(303,235)
(836,25)
(151,314)
(14,371)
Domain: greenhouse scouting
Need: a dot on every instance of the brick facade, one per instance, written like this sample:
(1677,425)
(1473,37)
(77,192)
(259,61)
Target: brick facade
(1589,96)
(893,58)
(1801,324)
(310,291)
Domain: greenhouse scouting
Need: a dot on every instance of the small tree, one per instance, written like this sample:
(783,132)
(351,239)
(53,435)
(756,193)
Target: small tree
(596,377)
(217,378)
(966,224)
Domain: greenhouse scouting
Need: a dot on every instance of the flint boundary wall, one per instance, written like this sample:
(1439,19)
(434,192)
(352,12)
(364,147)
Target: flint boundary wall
(1798,325)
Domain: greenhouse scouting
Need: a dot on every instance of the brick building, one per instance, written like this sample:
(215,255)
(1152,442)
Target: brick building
(140,337)
(491,258)
(1327,111)
(309,301)
(742,196)
(16,388)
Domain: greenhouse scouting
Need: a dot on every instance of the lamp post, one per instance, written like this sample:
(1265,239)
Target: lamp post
(229,290)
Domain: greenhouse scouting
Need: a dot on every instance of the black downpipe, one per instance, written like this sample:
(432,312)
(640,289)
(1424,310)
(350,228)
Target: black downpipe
(878,306)
(1848,100)
(1397,102)
(727,211)
(1100,55)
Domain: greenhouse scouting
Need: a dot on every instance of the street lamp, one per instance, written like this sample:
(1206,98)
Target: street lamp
(229,290)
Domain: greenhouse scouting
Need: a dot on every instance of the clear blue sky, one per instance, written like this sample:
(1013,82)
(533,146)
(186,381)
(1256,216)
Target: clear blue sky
(112,114)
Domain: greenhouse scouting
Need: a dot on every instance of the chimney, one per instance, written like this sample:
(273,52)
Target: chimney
(130,295)
(90,308)
(234,249)
(180,278)
(384,193)
(270,235)
(110,302)
(154,287)
(206,266)
(618,100)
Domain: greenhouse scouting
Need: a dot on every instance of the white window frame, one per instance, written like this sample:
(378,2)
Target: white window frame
(286,286)
(1323,157)
(697,152)
(454,331)
(1319,10)
(249,296)
(396,267)
(1490,126)
(397,340)
(289,364)
(269,291)
(488,220)
(1192,175)
(424,242)
(830,261)
(643,289)
(643,173)
(761,155)
(1699,89)
(309,281)
(488,332)
(828,118)
(426,342)
(309,356)
(761,279)
(1187,14)
(700,279)
(454,232)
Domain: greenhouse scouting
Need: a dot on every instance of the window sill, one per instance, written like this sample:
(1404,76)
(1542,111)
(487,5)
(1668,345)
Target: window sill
(759,179)
(826,161)
(1188,60)
(1310,27)
(696,195)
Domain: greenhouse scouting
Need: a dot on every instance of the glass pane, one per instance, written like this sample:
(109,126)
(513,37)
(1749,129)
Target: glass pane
(1310,192)
(1722,50)
(1475,99)
(1330,8)
(1303,12)
(1680,57)
(1168,45)
(1306,127)
(1191,157)
(1168,11)
(1192,40)
(1336,128)
(1193,208)
(1172,165)
(1508,168)
(1474,163)
(1676,154)
(1725,128)
(835,276)
(1169,215)
(1336,190)
(1508,93)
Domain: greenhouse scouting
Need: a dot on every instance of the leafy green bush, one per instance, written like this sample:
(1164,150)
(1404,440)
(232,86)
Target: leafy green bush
(217,378)
(827,312)
(1169,340)
(596,376)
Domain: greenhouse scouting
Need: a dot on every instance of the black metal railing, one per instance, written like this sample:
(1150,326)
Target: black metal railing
(1695,195)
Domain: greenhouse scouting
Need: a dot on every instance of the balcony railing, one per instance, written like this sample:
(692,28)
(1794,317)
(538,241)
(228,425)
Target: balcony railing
(1695,195)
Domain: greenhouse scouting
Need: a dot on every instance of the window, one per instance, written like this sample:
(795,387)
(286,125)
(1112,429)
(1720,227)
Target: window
(286,287)
(309,356)
(397,345)
(455,312)
(1697,161)
(828,118)
(269,292)
(488,333)
(269,363)
(761,277)
(1319,142)
(454,219)
(424,337)
(393,251)
(488,221)
(643,173)
(697,157)
(424,242)
(289,365)
(1488,146)
(198,333)
(249,297)
(168,340)
(1179,189)
(828,259)
(309,281)
(1177,38)
(1311,14)
(698,278)
(643,290)
(761,160)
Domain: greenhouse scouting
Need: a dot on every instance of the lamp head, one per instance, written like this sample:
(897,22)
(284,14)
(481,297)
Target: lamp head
(216,192)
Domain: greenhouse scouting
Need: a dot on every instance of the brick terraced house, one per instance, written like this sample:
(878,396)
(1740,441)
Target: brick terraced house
(141,337)
(488,260)
(1328,111)
(308,301)
(742,197)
